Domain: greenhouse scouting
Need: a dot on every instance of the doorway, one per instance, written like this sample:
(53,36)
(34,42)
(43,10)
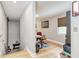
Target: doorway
(13,36)
(55,27)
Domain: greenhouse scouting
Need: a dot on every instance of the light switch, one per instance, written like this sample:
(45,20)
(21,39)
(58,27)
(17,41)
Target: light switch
(75,29)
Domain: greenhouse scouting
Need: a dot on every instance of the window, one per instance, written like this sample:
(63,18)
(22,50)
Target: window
(62,30)
(62,25)
(75,8)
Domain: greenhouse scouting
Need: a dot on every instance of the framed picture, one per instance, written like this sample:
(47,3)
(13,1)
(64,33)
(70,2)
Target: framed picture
(75,8)
(45,24)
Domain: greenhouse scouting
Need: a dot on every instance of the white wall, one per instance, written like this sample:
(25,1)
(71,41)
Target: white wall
(52,31)
(75,37)
(3,31)
(13,32)
(27,28)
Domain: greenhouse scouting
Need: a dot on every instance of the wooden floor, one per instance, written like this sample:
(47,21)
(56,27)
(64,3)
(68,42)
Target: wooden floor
(19,54)
(52,51)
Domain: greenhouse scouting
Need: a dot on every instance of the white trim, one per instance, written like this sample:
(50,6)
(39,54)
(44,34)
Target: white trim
(55,41)
(32,54)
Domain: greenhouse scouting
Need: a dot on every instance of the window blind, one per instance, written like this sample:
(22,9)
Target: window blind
(62,21)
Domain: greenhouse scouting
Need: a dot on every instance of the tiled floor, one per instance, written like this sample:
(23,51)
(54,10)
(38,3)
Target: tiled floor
(53,51)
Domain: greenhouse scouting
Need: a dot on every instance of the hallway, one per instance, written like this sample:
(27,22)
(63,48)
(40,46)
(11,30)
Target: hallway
(53,51)
(15,32)
(39,29)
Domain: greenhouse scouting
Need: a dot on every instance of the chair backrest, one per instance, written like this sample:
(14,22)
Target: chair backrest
(39,33)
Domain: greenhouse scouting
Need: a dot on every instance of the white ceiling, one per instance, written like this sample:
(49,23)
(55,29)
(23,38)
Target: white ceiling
(52,8)
(43,8)
(14,10)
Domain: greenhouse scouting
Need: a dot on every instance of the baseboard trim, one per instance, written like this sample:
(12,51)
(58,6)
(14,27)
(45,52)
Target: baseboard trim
(56,42)
(33,55)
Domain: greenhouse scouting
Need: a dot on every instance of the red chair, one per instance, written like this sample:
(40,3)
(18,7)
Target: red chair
(42,38)
(39,33)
